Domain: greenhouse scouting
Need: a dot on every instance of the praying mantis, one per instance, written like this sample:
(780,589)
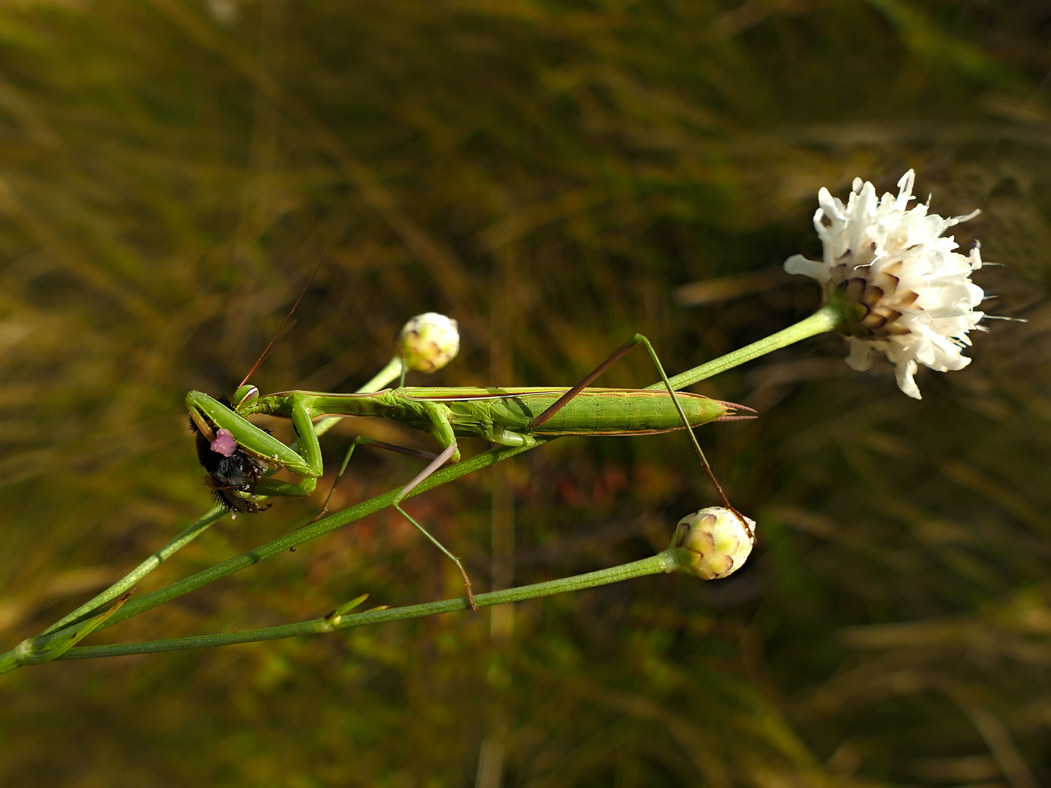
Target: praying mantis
(238,454)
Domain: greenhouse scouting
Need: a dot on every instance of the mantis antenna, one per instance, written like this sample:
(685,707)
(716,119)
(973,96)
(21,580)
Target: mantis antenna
(303,292)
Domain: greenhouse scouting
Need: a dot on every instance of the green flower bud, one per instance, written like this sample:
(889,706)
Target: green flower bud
(712,543)
(428,342)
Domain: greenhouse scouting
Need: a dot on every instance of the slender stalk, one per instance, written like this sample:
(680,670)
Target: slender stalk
(61,631)
(384,377)
(662,562)
(293,539)
(129,580)
(825,319)
(380,380)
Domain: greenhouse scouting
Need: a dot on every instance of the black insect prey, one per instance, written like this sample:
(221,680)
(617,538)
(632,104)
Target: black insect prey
(231,470)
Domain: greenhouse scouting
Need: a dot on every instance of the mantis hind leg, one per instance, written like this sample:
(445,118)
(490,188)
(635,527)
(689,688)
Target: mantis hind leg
(434,465)
(436,461)
(450,556)
(614,357)
(361,441)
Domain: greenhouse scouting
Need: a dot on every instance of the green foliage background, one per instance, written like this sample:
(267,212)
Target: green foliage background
(554,175)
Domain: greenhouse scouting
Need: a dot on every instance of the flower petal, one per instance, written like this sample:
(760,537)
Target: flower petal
(914,290)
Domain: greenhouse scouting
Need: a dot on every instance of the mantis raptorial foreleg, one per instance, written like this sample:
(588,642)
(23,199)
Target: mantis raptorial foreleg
(309,450)
(236,453)
(361,441)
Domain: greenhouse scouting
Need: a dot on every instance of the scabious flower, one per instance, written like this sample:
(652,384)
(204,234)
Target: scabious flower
(901,289)
(712,543)
(428,342)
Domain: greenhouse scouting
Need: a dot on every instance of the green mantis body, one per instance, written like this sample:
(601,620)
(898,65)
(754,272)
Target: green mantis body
(501,416)
(237,453)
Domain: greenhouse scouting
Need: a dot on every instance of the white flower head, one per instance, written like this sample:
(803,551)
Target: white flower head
(902,288)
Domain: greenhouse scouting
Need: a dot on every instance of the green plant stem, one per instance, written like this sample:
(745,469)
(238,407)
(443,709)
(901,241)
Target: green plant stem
(129,580)
(11,659)
(380,380)
(662,562)
(60,630)
(825,319)
(384,377)
(307,533)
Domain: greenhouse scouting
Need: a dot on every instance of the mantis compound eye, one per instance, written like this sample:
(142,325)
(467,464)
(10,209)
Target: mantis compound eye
(244,395)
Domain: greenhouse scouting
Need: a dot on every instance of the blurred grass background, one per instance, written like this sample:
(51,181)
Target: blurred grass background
(557,176)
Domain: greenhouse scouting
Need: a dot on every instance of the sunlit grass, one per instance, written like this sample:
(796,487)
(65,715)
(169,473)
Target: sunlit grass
(548,173)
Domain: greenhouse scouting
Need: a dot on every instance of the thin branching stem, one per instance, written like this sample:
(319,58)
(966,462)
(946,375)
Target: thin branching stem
(62,633)
(662,562)
(40,644)
(825,319)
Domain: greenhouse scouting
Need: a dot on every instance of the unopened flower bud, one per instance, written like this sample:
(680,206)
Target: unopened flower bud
(712,543)
(428,342)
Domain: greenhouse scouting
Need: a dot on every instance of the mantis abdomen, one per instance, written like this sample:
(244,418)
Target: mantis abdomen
(595,412)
